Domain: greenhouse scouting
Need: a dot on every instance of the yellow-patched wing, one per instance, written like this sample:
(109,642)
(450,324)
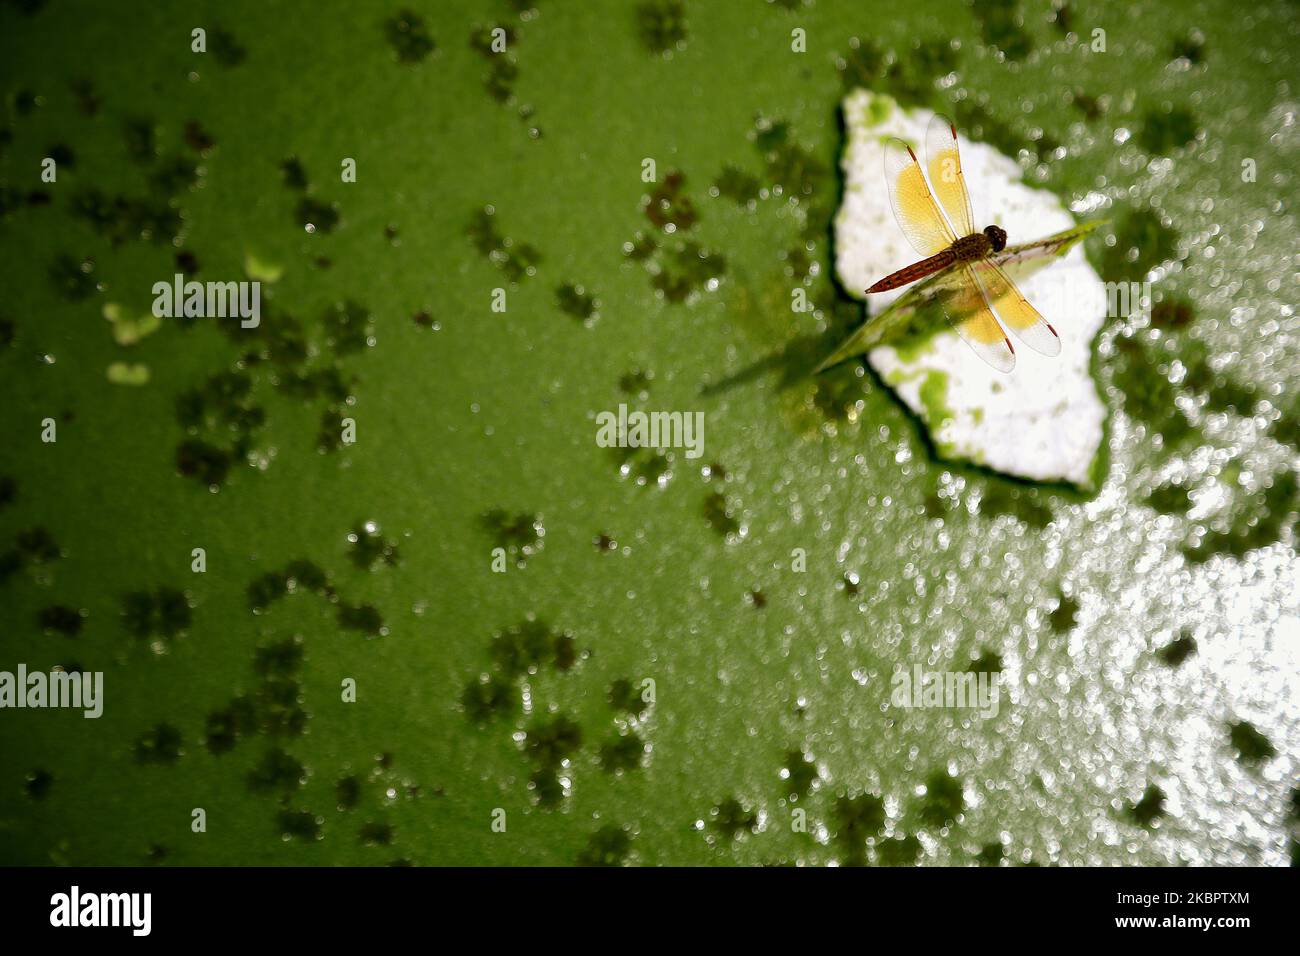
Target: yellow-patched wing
(914,206)
(1014,309)
(964,303)
(943,164)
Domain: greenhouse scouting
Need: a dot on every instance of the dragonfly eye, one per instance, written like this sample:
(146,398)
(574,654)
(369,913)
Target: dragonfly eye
(998,236)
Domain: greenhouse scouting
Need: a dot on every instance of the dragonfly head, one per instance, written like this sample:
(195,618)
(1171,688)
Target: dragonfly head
(998,236)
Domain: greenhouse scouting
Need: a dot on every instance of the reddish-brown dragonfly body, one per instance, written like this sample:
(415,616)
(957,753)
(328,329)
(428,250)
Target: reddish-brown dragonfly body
(966,249)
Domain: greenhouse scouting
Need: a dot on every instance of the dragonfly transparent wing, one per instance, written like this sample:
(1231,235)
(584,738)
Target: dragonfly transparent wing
(943,165)
(914,206)
(964,303)
(1014,309)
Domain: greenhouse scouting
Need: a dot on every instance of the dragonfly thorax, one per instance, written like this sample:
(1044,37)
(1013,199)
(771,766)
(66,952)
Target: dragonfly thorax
(972,247)
(979,244)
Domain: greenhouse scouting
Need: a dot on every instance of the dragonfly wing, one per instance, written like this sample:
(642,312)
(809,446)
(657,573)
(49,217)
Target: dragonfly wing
(967,308)
(914,206)
(1014,309)
(943,164)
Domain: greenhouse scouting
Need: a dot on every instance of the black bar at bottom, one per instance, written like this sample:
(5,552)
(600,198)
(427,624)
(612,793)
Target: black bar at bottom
(671,905)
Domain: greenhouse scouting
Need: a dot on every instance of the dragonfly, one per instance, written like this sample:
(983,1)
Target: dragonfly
(976,294)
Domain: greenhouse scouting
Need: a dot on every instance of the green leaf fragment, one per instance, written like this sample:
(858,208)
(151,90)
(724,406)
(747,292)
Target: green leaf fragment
(934,394)
(127,330)
(261,270)
(128,373)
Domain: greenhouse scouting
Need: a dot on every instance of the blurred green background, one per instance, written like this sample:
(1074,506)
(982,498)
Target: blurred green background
(1148,634)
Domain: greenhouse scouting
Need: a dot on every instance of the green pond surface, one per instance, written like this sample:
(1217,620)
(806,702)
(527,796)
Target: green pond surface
(763,594)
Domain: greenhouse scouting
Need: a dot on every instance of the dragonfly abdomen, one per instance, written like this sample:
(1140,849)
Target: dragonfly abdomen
(917,270)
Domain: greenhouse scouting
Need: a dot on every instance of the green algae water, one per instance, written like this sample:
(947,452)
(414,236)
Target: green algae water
(361,584)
